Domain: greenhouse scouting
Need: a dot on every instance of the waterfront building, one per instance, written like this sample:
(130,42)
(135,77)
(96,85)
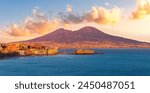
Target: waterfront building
(12,48)
(21,52)
(52,51)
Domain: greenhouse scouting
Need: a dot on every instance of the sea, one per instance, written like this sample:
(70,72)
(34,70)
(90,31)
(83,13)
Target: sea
(114,62)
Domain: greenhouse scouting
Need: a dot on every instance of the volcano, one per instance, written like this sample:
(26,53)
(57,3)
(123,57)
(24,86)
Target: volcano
(86,34)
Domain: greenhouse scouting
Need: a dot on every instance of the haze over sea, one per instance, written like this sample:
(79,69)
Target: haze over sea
(114,62)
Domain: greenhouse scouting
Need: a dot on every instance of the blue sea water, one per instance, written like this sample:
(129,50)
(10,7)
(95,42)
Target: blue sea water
(114,62)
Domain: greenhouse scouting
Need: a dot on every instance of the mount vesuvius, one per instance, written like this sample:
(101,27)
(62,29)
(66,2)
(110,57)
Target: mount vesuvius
(87,37)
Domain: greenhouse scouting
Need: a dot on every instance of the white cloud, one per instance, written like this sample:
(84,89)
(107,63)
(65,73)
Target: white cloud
(143,9)
(69,8)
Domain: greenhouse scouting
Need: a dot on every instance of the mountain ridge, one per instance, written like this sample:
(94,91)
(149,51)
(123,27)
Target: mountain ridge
(84,34)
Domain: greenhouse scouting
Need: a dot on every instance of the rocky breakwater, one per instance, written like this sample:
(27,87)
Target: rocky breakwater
(84,52)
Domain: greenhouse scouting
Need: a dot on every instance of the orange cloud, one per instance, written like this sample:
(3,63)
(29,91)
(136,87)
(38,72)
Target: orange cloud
(99,15)
(102,15)
(37,24)
(18,31)
(143,9)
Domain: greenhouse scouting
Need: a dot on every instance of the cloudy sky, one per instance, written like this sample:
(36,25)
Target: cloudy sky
(26,19)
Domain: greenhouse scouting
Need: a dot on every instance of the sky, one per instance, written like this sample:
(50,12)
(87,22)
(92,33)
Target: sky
(26,19)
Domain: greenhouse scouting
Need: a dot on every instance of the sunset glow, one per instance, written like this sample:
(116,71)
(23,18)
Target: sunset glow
(106,15)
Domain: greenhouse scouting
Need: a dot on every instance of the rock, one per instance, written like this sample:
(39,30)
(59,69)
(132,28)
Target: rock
(84,51)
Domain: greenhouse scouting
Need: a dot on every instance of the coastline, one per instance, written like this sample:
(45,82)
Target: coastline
(64,53)
(120,60)
(8,57)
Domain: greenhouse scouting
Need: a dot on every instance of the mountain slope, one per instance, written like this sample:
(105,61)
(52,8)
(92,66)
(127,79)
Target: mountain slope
(90,34)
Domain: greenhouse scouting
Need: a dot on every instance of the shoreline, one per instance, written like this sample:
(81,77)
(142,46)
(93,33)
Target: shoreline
(63,53)
(3,58)
(109,48)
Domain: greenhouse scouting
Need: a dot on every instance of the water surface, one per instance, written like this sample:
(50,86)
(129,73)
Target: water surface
(115,62)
